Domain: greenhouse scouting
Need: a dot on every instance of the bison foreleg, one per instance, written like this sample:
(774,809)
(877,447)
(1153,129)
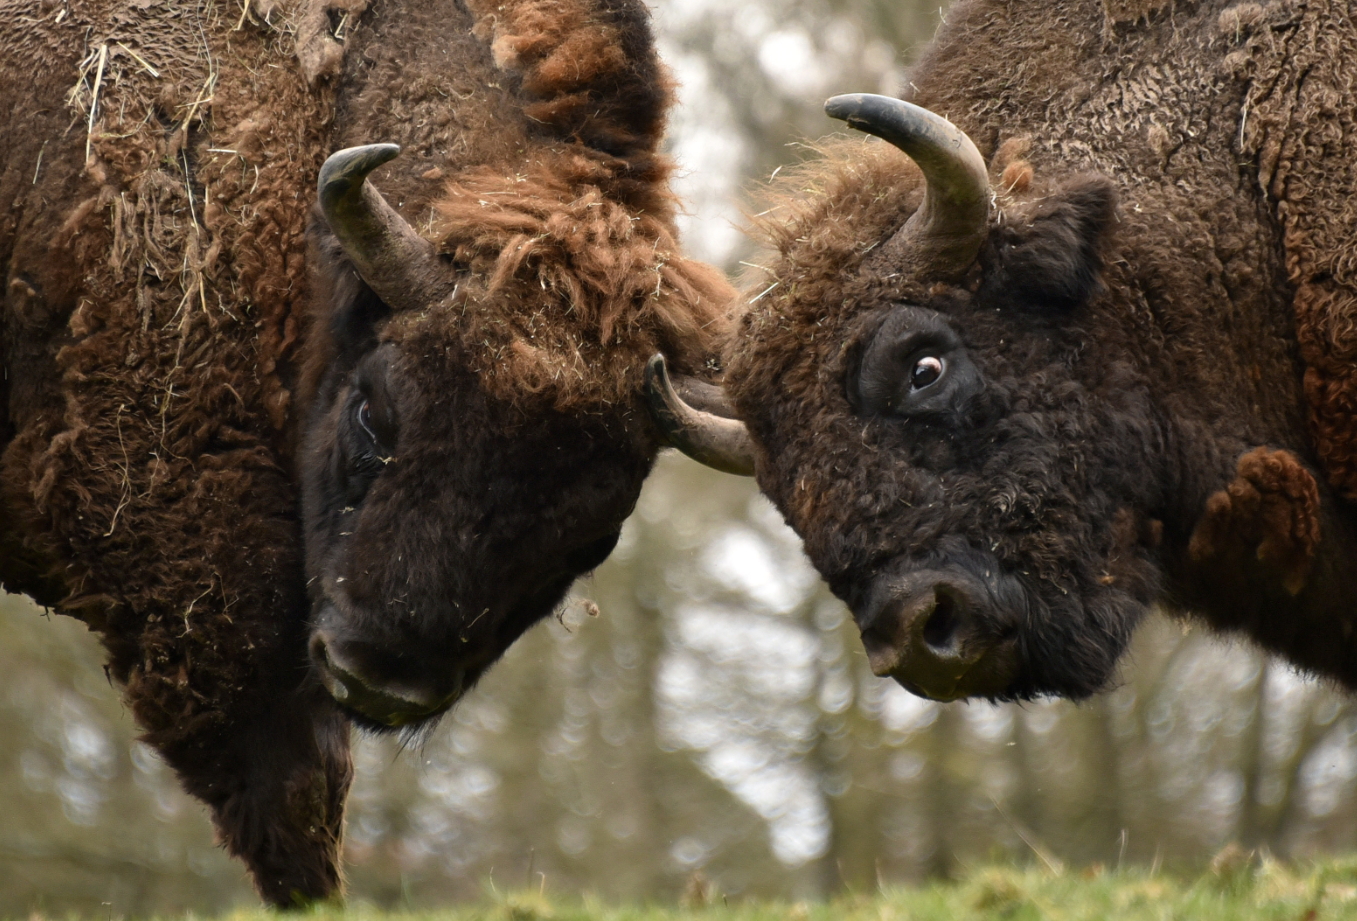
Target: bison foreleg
(1270,509)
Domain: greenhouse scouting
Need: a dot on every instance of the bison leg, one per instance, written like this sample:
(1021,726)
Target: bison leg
(1270,509)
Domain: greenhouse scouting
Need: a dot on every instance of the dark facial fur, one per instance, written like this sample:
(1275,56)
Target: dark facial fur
(976,433)
(441,522)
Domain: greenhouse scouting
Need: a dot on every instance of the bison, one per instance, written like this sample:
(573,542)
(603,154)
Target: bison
(269,450)
(1089,346)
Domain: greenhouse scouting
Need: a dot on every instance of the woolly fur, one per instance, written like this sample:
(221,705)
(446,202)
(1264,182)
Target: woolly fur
(147,489)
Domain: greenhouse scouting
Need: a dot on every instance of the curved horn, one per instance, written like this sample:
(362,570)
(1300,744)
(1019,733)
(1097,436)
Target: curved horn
(394,260)
(708,439)
(949,229)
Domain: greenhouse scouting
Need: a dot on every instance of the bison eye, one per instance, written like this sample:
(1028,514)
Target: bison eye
(365,420)
(914,365)
(926,371)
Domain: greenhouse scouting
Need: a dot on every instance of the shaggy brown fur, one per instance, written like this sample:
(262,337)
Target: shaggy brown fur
(572,268)
(1297,126)
(146,475)
(592,225)
(1129,359)
(157,307)
(1270,510)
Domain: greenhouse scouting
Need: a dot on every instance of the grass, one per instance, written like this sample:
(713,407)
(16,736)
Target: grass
(1233,889)
(1236,888)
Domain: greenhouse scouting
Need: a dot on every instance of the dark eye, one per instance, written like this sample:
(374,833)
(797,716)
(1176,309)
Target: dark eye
(914,366)
(926,371)
(365,420)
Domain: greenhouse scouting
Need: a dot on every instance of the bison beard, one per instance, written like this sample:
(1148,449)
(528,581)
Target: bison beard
(177,341)
(1004,431)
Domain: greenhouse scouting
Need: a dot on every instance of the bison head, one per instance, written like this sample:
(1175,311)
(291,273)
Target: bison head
(452,489)
(941,409)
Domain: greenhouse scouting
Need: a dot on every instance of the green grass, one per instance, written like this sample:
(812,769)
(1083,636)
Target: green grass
(1237,888)
(1318,891)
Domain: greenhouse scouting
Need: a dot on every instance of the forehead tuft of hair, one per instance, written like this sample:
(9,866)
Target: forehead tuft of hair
(570,285)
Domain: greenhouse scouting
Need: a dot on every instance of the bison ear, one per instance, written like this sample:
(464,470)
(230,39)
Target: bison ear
(1047,253)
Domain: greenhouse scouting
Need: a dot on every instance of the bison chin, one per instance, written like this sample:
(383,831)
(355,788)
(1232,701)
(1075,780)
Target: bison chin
(959,626)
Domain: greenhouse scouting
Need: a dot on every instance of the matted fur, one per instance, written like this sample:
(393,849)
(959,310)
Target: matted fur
(150,485)
(1270,510)
(565,278)
(1130,360)
(1297,125)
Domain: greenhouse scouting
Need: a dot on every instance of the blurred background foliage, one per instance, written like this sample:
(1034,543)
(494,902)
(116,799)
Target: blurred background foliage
(701,716)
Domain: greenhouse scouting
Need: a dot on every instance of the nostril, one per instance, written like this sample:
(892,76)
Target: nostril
(943,625)
(317,649)
(320,661)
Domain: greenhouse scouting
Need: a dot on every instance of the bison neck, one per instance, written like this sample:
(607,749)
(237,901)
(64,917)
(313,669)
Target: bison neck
(1316,628)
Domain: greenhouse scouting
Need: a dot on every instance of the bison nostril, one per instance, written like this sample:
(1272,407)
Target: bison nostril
(320,661)
(943,624)
(939,633)
(317,649)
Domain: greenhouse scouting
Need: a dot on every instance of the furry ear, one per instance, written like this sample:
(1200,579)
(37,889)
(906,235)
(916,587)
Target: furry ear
(1048,252)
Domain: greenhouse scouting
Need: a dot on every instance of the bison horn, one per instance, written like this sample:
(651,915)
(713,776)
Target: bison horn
(394,260)
(705,437)
(948,230)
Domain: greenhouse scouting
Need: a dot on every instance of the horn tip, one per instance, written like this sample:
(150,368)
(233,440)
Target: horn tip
(846,105)
(657,369)
(659,387)
(351,165)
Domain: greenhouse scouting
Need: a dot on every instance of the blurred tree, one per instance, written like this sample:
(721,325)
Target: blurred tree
(754,75)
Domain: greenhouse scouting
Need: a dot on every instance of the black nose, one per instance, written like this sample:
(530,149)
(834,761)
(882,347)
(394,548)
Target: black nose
(926,629)
(389,702)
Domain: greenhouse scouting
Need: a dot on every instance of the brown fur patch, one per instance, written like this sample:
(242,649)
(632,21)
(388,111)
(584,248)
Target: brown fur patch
(1297,121)
(579,76)
(574,281)
(1010,151)
(1271,509)
(1016,178)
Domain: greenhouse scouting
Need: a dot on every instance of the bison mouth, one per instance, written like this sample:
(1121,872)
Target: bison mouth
(378,704)
(387,681)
